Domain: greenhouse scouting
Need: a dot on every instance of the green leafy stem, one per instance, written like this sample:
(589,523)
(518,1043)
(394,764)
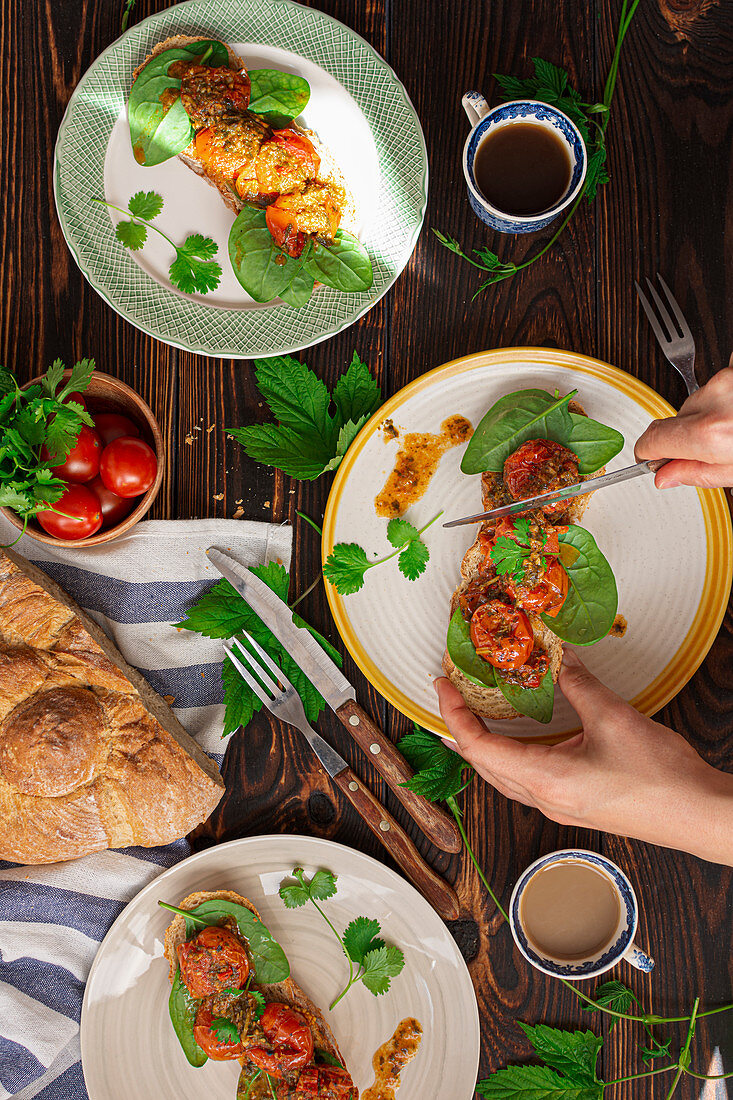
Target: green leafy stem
(440,775)
(550,84)
(347,564)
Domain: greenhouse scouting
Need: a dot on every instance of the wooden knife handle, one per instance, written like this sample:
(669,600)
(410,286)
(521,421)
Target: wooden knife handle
(441,896)
(437,825)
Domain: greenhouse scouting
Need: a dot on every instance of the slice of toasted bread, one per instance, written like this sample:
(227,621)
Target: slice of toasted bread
(328,172)
(287,992)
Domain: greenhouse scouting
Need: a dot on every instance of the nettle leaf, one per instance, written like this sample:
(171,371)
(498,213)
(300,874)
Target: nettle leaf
(534,1083)
(296,397)
(298,454)
(439,772)
(572,1053)
(356,394)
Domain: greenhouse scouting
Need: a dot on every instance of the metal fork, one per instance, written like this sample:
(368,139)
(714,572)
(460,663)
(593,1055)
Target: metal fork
(677,342)
(281,698)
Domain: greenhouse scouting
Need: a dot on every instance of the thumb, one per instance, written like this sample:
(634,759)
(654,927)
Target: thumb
(476,744)
(584,691)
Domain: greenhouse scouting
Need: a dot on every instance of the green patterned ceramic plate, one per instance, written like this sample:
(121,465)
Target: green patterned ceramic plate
(358,108)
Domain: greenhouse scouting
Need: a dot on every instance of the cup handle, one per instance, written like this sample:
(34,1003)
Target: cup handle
(475,107)
(639,958)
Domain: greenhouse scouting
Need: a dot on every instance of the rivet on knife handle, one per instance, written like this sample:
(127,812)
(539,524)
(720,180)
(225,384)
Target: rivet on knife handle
(441,896)
(434,822)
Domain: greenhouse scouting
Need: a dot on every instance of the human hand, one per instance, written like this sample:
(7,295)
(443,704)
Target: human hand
(699,440)
(622,774)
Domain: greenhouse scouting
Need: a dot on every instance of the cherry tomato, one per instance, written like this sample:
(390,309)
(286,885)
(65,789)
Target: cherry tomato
(289,1033)
(82,462)
(502,635)
(299,147)
(331,1081)
(281,224)
(539,466)
(114,508)
(548,594)
(220,1050)
(212,961)
(82,518)
(78,398)
(109,426)
(128,466)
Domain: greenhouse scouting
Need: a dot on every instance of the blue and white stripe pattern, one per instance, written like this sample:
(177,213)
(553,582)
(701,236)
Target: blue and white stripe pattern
(53,917)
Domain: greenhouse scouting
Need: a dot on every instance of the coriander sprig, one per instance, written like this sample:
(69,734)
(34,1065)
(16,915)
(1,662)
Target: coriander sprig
(347,564)
(510,556)
(371,961)
(194,270)
(569,1057)
(551,84)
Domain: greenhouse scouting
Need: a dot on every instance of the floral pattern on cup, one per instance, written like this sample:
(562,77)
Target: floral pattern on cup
(623,946)
(483,119)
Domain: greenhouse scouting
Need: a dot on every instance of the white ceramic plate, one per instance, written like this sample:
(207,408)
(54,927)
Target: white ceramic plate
(128,1045)
(358,108)
(670,552)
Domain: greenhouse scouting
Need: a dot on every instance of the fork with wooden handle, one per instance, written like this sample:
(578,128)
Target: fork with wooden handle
(280,697)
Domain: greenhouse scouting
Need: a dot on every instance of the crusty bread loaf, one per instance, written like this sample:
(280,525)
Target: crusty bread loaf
(287,992)
(90,756)
(328,171)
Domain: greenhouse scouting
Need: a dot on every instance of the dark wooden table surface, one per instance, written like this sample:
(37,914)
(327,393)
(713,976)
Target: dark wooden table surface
(669,207)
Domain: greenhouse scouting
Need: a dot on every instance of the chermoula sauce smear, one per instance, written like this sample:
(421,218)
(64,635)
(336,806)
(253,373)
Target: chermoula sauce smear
(391,1059)
(416,462)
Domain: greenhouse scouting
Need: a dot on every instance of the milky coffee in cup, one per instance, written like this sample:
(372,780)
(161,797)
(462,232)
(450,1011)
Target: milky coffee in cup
(570,910)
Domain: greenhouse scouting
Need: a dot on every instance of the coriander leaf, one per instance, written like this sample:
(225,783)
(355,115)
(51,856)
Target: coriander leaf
(293,894)
(225,1030)
(414,559)
(345,567)
(62,433)
(193,270)
(145,204)
(360,937)
(573,1053)
(509,557)
(79,379)
(53,377)
(380,966)
(13,495)
(356,394)
(322,885)
(301,455)
(522,527)
(438,770)
(259,1002)
(399,531)
(131,234)
(534,1083)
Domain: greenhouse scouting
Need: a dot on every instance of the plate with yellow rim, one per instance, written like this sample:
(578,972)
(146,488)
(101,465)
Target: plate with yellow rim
(671,552)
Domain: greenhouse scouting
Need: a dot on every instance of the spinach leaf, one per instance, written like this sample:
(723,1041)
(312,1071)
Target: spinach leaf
(592,601)
(158,131)
(276,96)
(343,265)
(536,703)
(536,414)
(463,654)
(182,1008)
(268,958)
(595,444)
(522,415)
(298,292)
(261,267)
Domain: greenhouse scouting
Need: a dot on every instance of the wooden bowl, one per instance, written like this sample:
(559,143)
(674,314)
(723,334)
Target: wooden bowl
(105,393)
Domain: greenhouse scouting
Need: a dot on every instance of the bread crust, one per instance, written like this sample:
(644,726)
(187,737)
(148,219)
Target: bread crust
(287,992)
(90,756)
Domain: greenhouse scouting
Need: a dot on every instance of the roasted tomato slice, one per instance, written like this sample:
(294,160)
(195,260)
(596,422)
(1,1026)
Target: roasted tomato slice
(325,1081)
(212,961)
(288,1033)
(282,228)
(213,95)
(220,1050)
(548,594)
(502,635)
(539,466)
(529,675)
(285,163)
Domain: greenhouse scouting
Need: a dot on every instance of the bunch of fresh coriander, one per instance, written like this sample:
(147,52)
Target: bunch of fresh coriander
(39,426)
(550,84)
(569,1069)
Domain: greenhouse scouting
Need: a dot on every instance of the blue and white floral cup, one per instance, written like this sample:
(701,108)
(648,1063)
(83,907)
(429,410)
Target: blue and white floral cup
(483,119)
(620,946)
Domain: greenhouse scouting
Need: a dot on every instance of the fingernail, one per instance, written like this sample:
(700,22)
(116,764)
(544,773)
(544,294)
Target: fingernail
(670,484)
(569,659)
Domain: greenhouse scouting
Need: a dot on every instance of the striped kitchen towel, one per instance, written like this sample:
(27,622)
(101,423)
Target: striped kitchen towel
(53,917)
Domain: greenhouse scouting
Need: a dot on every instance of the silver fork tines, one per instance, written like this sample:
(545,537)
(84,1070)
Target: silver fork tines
(677,342)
